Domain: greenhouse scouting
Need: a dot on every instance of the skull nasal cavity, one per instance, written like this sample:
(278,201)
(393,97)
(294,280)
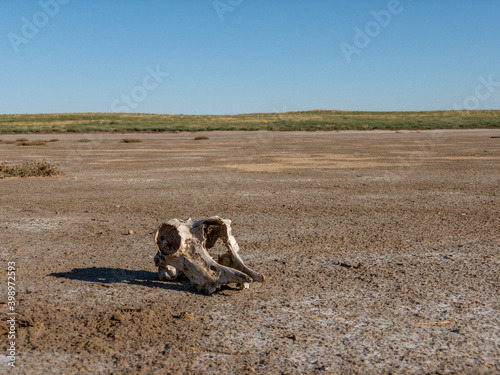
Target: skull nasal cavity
(168,239)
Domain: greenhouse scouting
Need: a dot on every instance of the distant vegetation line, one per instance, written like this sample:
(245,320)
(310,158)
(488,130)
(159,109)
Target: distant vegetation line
(284,121)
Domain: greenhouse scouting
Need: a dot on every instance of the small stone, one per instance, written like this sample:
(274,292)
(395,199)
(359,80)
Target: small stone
(119,317)
(185,316)
(293,336)
(130,232)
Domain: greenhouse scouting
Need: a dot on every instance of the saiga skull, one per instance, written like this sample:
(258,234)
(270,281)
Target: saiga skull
(182,248)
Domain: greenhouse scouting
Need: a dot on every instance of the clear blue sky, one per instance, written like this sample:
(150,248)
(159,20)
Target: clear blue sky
(248,55)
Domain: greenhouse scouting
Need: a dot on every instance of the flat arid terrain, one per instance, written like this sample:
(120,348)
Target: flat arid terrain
(381,251)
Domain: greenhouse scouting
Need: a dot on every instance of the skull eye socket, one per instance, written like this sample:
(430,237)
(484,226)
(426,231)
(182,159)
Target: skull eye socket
(168,239)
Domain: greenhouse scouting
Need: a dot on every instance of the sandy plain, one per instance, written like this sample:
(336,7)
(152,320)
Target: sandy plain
(381,251)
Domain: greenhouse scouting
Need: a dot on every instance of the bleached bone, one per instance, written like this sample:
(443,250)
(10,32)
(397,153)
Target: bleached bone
(182,248)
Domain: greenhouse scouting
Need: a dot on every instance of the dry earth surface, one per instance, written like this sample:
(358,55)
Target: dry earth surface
(381,252)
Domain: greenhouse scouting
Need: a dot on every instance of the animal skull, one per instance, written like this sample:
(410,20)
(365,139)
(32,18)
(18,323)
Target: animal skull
(182,248)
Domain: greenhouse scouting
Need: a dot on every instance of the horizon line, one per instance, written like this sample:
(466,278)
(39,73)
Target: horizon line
(246,113)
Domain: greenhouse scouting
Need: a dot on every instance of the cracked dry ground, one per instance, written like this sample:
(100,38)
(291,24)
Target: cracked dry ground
(381,251)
